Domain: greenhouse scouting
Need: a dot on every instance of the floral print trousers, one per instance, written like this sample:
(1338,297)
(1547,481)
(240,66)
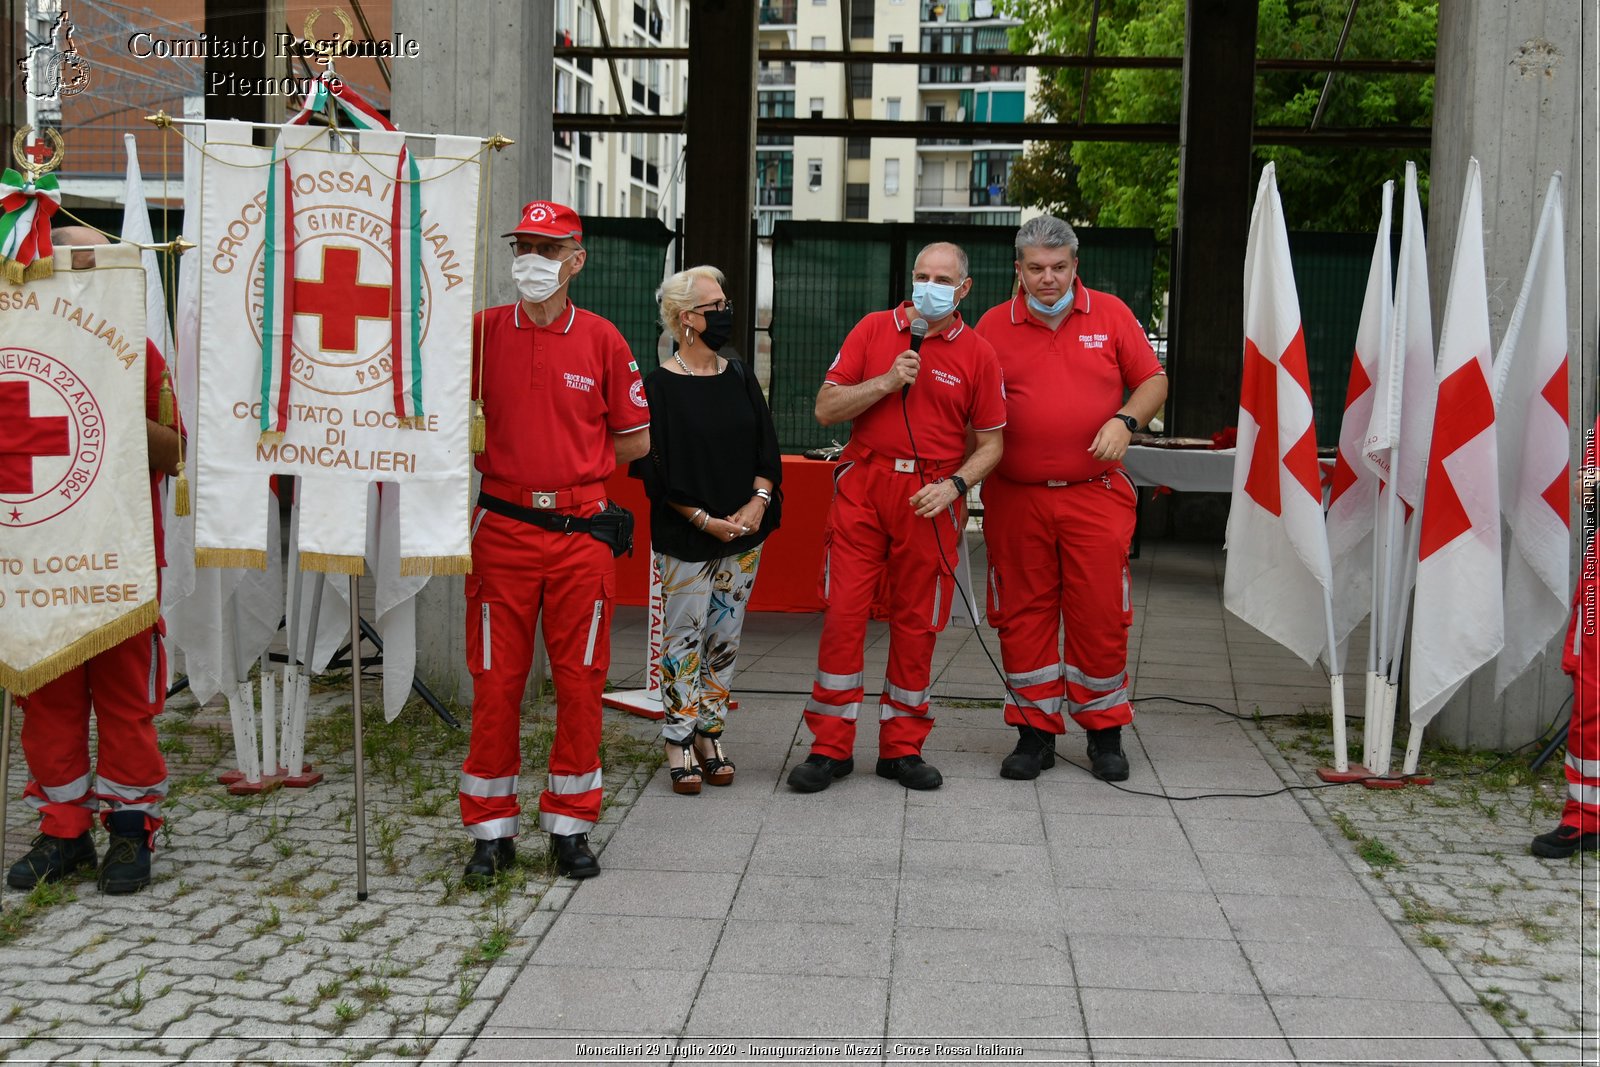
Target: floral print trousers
(704,606)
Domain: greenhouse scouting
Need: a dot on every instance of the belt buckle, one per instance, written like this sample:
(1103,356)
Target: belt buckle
(1056,485)
(905,466)
(544,500)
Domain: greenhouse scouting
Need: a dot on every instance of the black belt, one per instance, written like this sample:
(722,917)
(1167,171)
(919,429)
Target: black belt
(545,520)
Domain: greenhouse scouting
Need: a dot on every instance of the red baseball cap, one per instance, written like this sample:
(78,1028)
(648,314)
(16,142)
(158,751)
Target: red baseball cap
(545,218)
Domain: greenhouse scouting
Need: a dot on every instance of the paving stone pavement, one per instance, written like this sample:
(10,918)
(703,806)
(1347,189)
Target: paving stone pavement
(1059,920)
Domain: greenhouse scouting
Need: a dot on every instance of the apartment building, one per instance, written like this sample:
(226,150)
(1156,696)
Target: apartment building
(889,180)
(633,174)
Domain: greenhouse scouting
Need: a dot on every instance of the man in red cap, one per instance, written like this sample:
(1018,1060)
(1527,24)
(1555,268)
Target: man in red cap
(563,405)
(1059,510)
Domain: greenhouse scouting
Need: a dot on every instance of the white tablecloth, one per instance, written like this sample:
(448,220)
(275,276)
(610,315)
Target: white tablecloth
(1188,470)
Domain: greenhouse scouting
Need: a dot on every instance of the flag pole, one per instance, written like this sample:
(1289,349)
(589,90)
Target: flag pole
(291,669)
(1397,644)
(1341,758)
(5,774)
(1375,726)
(1379,542)
(361,780)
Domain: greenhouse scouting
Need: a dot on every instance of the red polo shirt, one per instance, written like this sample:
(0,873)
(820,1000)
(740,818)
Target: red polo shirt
(553,396)
(958,386)
(1063,384)
(153,366)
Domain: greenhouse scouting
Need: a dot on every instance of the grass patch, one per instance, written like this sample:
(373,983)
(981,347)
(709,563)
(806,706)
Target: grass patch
(19,916)
(1377,854)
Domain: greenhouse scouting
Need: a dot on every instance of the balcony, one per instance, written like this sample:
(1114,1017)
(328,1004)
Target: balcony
(775,197)
(968,74)
(958,10)
(775,74)
(777,12)
(961,197)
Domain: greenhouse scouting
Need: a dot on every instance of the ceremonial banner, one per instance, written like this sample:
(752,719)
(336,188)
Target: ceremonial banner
(77,551)
(303,313)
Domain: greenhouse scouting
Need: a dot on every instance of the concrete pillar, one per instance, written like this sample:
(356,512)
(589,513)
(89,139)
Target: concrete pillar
(1516,88)
(485,67)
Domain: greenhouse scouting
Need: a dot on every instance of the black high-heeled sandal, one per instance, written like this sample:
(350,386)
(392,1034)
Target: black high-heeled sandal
(686,779)
(718,769)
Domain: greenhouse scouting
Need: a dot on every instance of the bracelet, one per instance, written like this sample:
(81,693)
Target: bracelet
(764,494)
(705,519)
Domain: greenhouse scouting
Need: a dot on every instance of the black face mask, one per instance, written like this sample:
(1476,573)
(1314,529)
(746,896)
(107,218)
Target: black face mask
(719,328)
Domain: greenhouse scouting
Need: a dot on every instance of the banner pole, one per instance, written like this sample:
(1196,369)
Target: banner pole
(361,779)
(1341,758)
(5,775)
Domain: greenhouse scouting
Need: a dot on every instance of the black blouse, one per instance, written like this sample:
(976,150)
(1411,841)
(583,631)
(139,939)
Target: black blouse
(711,437)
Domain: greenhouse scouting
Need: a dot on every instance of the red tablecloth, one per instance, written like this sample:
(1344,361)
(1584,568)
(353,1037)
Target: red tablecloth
(791,562)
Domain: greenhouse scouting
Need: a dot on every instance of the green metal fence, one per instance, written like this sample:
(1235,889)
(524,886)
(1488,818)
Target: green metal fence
(1330,273)
(827,275)
(625,264)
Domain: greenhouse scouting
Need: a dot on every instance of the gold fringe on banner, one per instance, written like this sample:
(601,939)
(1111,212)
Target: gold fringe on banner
(165,413)
(12,270)
(478,429)
(269,438)
(43,267)
(252,559)
(22,681)
(434,566)
(328,563)
(180,493)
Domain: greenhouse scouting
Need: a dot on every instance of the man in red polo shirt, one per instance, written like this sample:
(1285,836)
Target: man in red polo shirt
(899,505)
(563,405)
(1059,511)
(125,687)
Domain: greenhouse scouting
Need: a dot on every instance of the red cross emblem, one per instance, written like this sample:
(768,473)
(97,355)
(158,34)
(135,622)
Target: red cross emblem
(39,152)
(339,298)
(1259,397)
(1467,409)
(25,437)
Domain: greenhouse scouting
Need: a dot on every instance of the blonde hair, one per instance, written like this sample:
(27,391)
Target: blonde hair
(676,295)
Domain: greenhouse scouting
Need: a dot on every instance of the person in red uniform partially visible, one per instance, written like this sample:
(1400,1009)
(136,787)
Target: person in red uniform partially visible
(899,507)
(1579,829)
(563,405)
(126,688)
(1059,511)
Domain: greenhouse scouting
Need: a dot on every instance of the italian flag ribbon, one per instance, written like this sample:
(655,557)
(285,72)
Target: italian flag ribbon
(405,282)
(26,208)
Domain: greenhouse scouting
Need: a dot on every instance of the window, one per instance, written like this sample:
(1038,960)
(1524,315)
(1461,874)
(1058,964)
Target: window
(775,104)
(819,44)
(891,177)
(892,109)
(897,43)
(816,107)
(860,81)
(858,148)
(933,113)
(856,197)
(862,18)
(813,174)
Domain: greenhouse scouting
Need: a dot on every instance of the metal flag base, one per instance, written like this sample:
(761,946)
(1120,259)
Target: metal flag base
(304,780)
(1355,774)
(240,786)
(638,702)
(1397,781)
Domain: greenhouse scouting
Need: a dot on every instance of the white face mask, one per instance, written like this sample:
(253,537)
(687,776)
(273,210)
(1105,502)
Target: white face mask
(537,278)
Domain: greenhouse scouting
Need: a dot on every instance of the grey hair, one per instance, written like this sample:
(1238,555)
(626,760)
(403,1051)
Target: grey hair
(677,295)
(1046,231)
(961,253)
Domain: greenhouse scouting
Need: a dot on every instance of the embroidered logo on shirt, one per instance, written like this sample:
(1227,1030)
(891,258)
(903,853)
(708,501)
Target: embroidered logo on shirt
(944,377)
(1094,340)
(836,360)
(581,382)
(633,366)
(636,394)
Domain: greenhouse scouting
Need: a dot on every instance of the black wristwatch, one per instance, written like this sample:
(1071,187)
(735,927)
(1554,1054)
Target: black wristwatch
(1129,421)
(960,483)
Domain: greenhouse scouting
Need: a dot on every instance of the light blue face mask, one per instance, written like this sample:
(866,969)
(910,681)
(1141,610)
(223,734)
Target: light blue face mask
(1050,309)
(933,300)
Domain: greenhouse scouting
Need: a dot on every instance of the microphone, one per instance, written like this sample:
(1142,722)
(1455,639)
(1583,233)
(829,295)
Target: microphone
(919,330)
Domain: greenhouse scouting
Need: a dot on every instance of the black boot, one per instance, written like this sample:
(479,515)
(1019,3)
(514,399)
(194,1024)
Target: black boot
(126,868)
(818,772)
(1105,754)
(489,857)
(51,859)
(573,858)
(1035,751)
(1562,842)
(910,772)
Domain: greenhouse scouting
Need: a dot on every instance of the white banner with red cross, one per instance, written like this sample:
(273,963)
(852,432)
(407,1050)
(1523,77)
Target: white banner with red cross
(77,540)
(322,262)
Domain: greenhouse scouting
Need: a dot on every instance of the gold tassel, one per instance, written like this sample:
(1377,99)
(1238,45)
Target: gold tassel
(24,680)
(180,493)
(12,270)
(478,428)
(165,413)
(270,438)
(434,566)
(254,559)
(43,267)
(332,563)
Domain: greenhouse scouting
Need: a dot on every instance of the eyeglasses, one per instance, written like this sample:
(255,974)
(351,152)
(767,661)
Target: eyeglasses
(544,249)
(715,305)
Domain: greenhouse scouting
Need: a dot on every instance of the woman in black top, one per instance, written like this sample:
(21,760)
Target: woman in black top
(712,478)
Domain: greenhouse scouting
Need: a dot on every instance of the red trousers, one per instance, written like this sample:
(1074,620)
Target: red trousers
(517,570)
(1582,661)
(872,530)
(1059,594)
(126,686)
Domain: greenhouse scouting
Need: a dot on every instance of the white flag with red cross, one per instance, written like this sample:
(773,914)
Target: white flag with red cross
(1530,391)
(1458,623)
(336,347)
(1278,569)
(1353,498)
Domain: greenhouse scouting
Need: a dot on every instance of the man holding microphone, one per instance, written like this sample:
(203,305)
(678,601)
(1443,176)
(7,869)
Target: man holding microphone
(899,506)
